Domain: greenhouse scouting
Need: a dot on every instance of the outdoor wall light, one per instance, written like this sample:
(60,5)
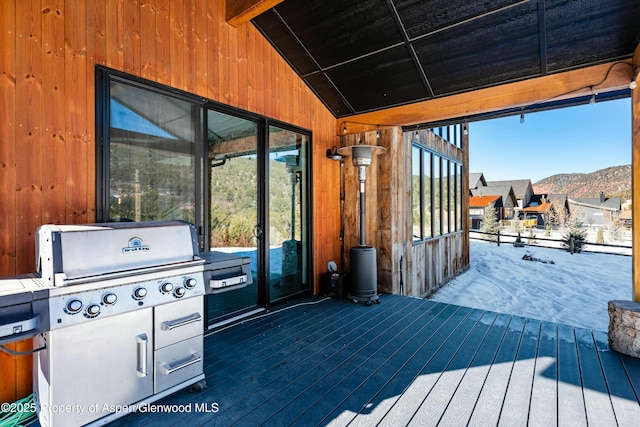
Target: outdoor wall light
(592,100)
(633,84)
(332,153)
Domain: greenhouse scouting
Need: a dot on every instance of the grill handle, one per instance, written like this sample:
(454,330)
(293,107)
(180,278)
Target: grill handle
(167,369)
(168,325)
(142,342)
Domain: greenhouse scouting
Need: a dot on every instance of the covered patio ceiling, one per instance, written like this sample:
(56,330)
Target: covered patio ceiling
(362,56)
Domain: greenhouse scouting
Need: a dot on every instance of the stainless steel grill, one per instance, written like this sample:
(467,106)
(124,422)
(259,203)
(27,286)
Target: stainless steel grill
(116,312)
(125,318)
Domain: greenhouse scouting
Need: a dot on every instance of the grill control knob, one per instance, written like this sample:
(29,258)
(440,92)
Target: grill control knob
(190,283)
(166,287)
(93,310)
(74,306)
(179,292)
(109,299)
(139,293)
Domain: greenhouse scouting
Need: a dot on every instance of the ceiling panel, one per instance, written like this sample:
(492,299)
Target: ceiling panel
(387,78)
(593,31)
(337,31)
(332,98)
(420,18)
(496,48)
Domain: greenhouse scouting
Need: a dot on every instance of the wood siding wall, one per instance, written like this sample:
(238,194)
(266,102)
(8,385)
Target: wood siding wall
(48,52)
(404,268)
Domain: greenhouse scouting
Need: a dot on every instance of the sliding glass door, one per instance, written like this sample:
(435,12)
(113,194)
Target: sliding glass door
(242,179)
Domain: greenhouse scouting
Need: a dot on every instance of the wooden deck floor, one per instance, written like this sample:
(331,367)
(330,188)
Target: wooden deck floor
(405,361)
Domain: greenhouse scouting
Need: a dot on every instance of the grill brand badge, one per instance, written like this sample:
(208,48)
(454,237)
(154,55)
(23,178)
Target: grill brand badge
(135,245)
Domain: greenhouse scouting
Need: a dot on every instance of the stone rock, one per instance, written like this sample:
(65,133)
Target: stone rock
(624,327)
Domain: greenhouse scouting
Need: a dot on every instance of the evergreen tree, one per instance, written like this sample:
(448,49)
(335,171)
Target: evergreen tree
(615,231)
(490,224)
(600,236)
(576,233)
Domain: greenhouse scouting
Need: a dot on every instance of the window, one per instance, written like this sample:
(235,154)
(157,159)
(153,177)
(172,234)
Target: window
(437,196)
(436,199)
(427,193)
(459,196)
(416,193)
(450,133)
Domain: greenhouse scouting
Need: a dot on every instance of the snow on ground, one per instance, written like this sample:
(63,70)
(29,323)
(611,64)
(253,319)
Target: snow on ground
(573,290)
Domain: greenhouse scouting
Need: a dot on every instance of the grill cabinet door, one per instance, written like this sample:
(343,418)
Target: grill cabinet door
(98,367)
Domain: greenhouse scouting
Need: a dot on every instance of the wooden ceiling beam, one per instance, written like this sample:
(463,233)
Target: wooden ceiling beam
(554,87)
(237,12)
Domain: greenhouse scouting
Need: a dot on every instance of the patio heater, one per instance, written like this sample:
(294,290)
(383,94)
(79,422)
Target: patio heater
(364,286)
(290,247)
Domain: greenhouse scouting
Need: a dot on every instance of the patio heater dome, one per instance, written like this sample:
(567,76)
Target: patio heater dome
(363,270)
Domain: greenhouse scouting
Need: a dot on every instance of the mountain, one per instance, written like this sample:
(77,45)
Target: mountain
(613,182)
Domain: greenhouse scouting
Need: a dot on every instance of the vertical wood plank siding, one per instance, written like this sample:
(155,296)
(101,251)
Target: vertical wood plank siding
(48,51)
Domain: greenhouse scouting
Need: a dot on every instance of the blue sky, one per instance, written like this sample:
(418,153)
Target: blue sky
(579,139)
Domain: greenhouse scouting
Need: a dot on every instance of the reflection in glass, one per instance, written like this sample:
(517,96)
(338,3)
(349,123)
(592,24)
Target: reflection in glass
(445,196)
(151,156)
(459,197)
(426,196)
(437,197)
(288,213)
(415,192)
(233,194)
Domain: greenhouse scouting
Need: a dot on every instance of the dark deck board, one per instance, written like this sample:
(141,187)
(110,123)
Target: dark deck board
(386,377)
(371,412)
(435,403)
(406,361)
(329,391)
(570,399)
(599,411)
(544,394)
(623,398)
(515,410)
(408,406)
(487,409)
(463,401)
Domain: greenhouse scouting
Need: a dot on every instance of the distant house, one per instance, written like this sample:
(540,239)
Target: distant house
(478,205)
(542,212)
(596,211)
(546,209)
(476,180)
(509,201)
(521,187)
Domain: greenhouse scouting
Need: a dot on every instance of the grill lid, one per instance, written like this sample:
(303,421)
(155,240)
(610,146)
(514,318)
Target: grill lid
(67,252)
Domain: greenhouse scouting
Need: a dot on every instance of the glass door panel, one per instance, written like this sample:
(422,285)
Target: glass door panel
(152,156)
(288,213)
(234,203)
